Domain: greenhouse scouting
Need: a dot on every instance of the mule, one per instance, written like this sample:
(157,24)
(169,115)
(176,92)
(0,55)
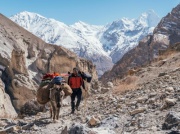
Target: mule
(56,97)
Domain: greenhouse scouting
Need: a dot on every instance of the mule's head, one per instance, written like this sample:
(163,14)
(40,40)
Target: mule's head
(57,94)
(59,86)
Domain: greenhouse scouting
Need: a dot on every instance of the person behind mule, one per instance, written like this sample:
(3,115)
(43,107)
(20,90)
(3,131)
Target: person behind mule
(75,81)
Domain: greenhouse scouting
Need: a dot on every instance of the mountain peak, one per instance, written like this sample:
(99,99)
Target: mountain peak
(26,13)
(81,23)
(151,12)
(149,18)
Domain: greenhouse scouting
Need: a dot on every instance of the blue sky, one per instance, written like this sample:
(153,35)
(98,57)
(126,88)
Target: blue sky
(98,12)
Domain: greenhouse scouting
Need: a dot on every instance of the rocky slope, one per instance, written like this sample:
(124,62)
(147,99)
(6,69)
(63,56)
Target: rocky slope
(104,45)
(150,105)
(23,59)
(165,34)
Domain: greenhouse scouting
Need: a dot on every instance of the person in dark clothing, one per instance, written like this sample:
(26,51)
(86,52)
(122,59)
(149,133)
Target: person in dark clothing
(75,81)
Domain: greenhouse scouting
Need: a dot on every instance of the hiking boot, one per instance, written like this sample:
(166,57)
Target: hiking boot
(77,109)
(72,112)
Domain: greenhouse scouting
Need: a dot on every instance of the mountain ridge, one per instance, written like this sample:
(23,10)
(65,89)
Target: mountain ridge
(89,41)
(164,35)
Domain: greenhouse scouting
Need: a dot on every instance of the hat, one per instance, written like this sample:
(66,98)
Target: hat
(75,69)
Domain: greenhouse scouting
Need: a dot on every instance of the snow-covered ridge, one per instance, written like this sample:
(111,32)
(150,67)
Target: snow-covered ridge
(104,45)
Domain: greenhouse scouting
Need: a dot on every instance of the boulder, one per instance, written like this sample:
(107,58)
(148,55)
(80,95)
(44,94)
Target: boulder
(110,85)
(170,89)
(172,119)
(151,101)
(136,111)
(168,103)
(94,121)
(142,99)
(162,74)
(105,90)
(78,129)
(31,107)
(167,77)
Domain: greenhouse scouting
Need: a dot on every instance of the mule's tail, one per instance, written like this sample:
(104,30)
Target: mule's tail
(57,98)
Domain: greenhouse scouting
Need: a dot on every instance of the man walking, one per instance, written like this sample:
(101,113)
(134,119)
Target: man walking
(75,81)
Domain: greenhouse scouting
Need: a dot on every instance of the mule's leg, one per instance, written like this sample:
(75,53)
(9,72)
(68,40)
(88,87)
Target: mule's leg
(53,110)
(62,96)
(58,108)
(57,113)
(50,111)
(54,113)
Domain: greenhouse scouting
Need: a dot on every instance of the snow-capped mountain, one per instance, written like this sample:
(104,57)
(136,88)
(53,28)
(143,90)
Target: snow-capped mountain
(80,37)
(104,45)
(165,36)
(123,35)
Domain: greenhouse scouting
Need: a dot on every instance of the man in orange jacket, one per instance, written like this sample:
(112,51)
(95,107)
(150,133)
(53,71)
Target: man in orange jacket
(75,81)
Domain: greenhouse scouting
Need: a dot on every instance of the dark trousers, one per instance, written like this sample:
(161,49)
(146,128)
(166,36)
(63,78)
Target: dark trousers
(76,93)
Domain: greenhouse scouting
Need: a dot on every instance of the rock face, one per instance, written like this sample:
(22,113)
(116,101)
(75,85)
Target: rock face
(24,58)
(18,61)
(165,34)
(6,108)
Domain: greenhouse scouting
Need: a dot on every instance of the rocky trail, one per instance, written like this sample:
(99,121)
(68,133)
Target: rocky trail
(151,107)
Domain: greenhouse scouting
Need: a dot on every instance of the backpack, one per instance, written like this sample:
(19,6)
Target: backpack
(86,77)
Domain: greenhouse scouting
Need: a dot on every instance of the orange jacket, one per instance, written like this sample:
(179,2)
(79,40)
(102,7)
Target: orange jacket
(75,81)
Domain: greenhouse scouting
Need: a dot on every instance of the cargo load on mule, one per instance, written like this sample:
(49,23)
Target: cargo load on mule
(48,82)
(46,79)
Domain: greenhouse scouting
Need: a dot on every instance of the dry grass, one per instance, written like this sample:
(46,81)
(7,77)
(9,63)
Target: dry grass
(167,54)
(128,83)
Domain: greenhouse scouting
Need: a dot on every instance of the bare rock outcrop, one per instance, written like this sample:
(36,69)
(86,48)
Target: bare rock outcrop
(18,61)
(6,108)
(24,89)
